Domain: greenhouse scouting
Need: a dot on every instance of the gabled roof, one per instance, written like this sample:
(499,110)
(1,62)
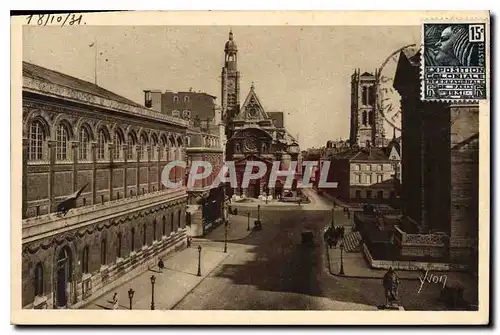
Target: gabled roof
(370,154)
(366,74)
(43,74)
(251,105)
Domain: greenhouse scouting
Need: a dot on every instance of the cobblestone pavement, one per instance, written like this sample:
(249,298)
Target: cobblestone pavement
(272,270)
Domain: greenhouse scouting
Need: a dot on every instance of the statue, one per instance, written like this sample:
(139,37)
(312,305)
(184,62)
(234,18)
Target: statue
(391,284)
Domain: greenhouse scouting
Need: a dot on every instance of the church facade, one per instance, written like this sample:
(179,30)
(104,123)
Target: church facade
(252,133)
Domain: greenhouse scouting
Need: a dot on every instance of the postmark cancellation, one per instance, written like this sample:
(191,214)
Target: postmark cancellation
(454,62)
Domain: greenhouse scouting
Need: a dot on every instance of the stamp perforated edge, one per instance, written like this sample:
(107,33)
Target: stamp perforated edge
(452,20)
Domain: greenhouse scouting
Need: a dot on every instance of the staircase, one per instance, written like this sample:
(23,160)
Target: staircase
(351,242)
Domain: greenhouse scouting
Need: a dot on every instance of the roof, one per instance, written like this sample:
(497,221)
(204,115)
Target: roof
(363,154)
(43,74)
(366,74)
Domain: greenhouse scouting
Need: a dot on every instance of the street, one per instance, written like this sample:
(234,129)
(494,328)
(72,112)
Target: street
(272,270)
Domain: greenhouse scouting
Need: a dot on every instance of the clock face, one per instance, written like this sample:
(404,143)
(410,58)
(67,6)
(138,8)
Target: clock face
(389,100)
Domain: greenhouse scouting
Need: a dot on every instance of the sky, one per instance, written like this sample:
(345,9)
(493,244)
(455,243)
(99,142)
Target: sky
(303,71)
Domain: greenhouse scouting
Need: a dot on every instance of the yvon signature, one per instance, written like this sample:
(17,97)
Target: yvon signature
(432,278)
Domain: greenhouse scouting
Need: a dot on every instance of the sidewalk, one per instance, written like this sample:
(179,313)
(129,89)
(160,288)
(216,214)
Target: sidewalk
(237,229)
(355,266)
(173,283)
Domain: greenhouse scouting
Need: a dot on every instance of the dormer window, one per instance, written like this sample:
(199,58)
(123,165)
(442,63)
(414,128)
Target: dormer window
(186,99)
(176,99)
(175,113)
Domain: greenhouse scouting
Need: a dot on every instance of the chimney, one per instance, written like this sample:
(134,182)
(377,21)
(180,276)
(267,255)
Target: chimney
(152,99)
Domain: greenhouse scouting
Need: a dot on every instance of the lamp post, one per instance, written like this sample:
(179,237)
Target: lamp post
(248,224)
(225,238)
(130,297)
(258,212)
(199,261)
(333,218)
(341,259)
(153,279)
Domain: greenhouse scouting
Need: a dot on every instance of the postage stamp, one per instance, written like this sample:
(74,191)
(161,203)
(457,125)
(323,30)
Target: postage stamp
(454,61)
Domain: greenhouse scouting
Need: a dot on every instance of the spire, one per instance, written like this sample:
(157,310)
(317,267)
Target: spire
(252,87)
(231,34)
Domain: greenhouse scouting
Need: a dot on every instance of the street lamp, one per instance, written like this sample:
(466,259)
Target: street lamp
(130,297)
(248,225)
(341,259)
(258,212)
(333,218)
(153,279)
(199,261)
(225,238)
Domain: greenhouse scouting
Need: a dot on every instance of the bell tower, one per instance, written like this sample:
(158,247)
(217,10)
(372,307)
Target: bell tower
(230,95)
(366,124)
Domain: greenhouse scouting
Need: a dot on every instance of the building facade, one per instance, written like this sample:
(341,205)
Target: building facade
(364,175)
(253,134)
(79,136)
(440,164)
(206,197)
(188,105)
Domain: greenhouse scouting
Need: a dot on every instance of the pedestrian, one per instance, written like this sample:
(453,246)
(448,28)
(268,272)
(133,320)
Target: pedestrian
(115,301)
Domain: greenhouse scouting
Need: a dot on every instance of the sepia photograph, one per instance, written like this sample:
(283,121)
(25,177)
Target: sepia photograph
(193,162)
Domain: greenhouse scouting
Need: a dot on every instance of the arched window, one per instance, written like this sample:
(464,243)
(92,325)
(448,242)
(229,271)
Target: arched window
(84,144)
(119,245)
(144,148)
(154,230)
(103,251)
(364,118)
(38,279)
(62,142)
(163,148)
(118,143)
(186,99)
(164,226)
(370,117)
(101,145)
(176,99)
(154,148)
(131,146)
(36,138)
(132,240)
(144,235)
(85,259)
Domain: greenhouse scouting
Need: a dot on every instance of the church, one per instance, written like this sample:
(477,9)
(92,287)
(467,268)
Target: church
(254,134)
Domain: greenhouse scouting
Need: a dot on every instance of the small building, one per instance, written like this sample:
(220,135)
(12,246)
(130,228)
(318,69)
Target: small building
(365,175)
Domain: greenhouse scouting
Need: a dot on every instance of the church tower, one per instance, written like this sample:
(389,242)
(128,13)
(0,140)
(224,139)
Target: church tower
(367,125)
(230,95)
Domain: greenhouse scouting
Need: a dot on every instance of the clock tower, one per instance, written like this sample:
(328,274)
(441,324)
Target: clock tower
(230,84)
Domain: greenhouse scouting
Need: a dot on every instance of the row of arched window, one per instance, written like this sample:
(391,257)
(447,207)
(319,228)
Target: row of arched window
(38,136)
(38,277)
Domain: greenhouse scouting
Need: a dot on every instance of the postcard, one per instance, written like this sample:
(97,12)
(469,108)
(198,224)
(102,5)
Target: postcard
(251,168)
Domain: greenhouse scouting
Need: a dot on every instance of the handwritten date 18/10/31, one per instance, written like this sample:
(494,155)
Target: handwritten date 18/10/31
(55,19)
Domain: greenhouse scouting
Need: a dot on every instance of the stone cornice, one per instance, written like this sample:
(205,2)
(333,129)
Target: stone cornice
(44,226)
(63,92)
(203,149)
